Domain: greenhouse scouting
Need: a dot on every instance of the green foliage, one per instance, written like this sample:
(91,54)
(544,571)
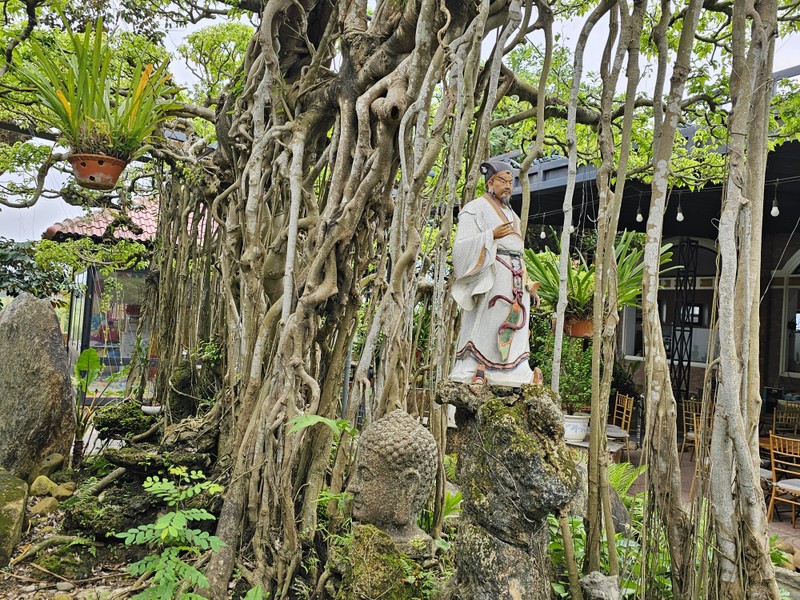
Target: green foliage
(450,464)
(98,105)
(21,272)
(629,252)
(214,54)
(778,557)
(450,510)
(87,368)
(172,534)
(575,382)
(621,476)
(622,378)
(120,420)
(255,593)
(631,559)
(338,426)
(78,255)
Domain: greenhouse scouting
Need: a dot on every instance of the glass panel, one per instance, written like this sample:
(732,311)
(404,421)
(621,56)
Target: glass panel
(117,332)
(76,316)
(792,330)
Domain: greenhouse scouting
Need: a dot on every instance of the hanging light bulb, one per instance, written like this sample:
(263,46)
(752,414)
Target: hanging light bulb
(639,217)
(679,216)
(542,234)
(775,210)
(572,228)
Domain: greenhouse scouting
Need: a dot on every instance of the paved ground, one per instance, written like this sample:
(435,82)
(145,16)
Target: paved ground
(780,526)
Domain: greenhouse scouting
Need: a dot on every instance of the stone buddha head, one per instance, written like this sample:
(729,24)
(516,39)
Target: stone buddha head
(394,474)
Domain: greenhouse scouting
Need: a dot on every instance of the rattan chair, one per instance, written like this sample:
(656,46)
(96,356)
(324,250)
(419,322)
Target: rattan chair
(621,417)
(690,409)
(786,418)
(785,459)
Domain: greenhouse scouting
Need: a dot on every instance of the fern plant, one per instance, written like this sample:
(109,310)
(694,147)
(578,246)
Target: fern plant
(172,537)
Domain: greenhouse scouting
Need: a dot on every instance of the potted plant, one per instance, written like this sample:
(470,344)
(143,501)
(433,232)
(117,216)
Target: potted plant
(544,268)
(105,111)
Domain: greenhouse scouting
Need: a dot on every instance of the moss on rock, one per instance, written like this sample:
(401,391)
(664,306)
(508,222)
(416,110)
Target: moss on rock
(121,420)
(117,509)
(375,568)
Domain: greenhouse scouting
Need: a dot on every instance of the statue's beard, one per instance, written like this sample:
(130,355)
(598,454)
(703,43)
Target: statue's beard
(504,197)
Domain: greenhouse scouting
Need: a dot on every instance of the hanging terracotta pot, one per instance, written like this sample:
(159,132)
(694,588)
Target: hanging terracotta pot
(579,328)
(96,171)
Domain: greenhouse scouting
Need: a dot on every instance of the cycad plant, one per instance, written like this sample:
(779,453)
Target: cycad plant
(88,96)
(544,268)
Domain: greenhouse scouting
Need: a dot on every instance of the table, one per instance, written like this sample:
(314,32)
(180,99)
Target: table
(616,438)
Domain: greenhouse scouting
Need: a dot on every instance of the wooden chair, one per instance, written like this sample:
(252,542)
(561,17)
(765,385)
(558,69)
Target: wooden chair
(690,409)
(786,418)
(621,417)
(701,432)
(785,459)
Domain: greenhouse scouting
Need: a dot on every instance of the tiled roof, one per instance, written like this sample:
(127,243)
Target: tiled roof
(100,225)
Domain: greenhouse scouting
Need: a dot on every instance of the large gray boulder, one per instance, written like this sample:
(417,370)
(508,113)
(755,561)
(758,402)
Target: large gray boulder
(36,395)
(13,496)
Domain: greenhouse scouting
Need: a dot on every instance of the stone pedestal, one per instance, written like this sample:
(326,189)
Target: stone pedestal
(514,470)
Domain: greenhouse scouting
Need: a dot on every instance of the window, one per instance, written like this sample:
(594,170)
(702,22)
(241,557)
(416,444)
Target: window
(792,329)
(693,314)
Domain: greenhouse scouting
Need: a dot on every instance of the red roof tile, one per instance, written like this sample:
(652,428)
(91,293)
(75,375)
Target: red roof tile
(144,217)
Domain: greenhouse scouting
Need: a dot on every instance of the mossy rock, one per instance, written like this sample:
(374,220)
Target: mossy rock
(117,509)
(70,562)
(121,420)
(64,475)
(146,459)
(375,568)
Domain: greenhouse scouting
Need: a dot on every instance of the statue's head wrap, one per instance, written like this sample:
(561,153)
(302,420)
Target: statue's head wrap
(490,168)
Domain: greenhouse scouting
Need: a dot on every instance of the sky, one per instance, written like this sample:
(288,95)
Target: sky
(29,223)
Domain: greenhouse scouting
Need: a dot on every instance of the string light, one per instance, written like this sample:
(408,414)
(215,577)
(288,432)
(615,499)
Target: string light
(572,228)
(542,234)
(775,210)
(679,216)
(639,217)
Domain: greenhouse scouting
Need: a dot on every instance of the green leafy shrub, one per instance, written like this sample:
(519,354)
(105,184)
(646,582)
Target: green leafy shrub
(575,387)
(173,538)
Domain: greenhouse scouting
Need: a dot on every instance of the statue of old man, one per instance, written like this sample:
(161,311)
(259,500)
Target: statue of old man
(492,288)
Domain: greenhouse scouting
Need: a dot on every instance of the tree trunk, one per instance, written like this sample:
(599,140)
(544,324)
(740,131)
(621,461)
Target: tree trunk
(664,483)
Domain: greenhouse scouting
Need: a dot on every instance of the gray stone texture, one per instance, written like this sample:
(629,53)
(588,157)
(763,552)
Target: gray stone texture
(514,470)
(393,477)
(45,506)
(13,496)
(36,395)
(596,586)
(50,464)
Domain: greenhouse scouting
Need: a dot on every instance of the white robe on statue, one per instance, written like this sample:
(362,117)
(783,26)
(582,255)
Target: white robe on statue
(483,277)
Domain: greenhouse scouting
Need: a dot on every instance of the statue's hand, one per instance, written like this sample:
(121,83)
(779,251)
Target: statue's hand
(503,230)
(533,287)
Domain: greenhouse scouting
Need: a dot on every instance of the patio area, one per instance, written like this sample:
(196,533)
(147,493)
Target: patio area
(781,525)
